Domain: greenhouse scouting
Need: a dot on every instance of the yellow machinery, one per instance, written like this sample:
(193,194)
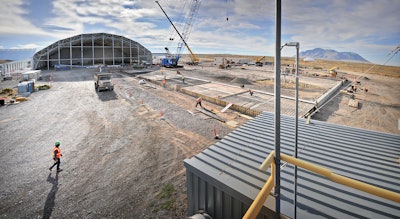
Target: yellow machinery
(225,64)
(194,59)
(259,61)
(332,71)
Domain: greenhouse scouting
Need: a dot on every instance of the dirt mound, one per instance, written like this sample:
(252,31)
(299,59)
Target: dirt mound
(241,81)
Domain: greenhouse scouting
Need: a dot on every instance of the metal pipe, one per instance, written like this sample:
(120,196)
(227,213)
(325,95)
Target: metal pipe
(261,197)
(267,162)
(342,179)
(365,187)
(296,129)
(277,88)
(306,165)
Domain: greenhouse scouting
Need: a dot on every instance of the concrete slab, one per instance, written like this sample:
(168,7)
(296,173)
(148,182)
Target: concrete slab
(217,90)
(260,101)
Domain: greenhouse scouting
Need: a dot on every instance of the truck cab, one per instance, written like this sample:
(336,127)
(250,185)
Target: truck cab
(102,81)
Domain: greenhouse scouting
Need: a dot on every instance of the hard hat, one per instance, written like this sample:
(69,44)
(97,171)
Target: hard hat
(57,143)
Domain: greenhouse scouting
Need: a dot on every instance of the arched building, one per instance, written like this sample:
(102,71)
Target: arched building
(92,49)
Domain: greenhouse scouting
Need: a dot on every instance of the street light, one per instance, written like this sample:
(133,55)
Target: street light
(297,45)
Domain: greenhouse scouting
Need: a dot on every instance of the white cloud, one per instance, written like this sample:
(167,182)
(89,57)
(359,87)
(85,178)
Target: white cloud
(137,13)
(27,46)
(365,26)
(13,21)
(337,23)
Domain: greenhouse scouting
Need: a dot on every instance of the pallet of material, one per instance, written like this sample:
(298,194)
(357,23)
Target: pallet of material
(353,103)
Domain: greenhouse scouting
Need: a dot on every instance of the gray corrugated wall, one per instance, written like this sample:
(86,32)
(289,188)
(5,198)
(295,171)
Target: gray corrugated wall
(216,199)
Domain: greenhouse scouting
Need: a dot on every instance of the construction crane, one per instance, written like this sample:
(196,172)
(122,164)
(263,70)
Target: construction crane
(172,60)
(259,61)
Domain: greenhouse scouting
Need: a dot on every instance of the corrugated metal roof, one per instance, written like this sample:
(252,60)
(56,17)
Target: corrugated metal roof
(368,156)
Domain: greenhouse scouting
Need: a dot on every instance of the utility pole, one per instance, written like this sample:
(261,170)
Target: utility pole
(277,88)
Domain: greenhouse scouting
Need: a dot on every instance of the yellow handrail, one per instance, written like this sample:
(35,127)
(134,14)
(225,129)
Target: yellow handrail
(262,196)
(342,179)
(267,162)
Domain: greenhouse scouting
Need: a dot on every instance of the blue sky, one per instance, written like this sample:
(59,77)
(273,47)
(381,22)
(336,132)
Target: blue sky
(370,28)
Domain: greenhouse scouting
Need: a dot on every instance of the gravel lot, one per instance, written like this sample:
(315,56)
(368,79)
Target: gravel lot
(120,158)
(124,149)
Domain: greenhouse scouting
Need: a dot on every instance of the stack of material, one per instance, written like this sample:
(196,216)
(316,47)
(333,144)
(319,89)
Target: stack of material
(353,103)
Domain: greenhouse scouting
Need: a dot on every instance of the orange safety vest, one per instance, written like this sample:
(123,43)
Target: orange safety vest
(57,152)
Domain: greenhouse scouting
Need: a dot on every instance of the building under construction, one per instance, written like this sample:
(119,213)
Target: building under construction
(90,50)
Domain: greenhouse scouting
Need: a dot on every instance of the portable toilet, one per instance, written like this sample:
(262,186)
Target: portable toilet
(31,86)
(23,87)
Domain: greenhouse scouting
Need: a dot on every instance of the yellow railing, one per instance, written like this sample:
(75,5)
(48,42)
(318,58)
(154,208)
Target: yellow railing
(262,196)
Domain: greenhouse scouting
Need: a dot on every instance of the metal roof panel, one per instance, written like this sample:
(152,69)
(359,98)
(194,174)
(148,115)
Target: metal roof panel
(364,155)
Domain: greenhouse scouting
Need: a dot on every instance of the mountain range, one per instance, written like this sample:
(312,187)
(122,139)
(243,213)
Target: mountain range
(331,54)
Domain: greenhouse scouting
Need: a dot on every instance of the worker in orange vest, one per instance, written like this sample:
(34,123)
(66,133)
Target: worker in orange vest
(56,154)
(199,102)
(251,92)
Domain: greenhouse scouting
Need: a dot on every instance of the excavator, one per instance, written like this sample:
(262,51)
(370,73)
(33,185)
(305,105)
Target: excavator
(259,61)
(332,71)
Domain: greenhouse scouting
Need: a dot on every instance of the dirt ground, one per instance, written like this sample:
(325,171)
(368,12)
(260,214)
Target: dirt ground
(123,150)
(379,107)
(378,110)
(120,156)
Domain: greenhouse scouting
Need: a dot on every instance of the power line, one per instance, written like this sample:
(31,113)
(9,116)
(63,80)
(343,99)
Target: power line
(391,54)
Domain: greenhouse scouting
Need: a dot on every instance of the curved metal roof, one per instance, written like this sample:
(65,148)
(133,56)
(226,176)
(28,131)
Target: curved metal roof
(90,42)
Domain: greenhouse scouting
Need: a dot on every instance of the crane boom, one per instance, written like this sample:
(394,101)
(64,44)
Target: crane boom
(193,10)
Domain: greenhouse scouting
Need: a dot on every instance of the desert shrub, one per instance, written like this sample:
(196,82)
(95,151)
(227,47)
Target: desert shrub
(6,91)
(43,87)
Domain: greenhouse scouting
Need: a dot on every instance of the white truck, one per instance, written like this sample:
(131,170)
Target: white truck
(102,81)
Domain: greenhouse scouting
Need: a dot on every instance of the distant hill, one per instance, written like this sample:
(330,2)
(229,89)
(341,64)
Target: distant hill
(331,54)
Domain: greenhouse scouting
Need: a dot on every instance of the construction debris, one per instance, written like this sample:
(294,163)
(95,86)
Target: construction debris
(353,103)
(20,99)
(227,107)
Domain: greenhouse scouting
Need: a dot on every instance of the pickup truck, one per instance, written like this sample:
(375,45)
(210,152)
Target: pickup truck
(102,81)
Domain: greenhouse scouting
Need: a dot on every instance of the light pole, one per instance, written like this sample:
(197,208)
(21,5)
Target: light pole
(297,45)
(277,108)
